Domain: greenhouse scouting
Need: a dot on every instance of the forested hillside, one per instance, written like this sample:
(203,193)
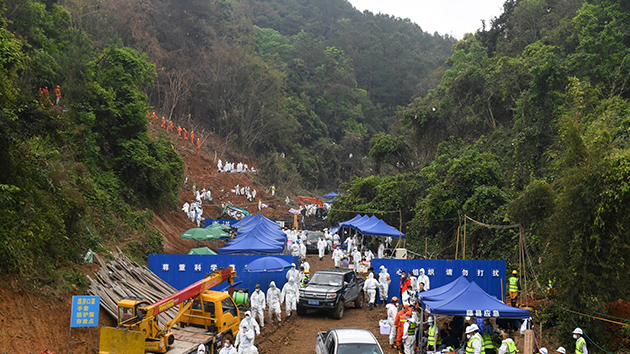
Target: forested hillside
(528,126)
(314,80)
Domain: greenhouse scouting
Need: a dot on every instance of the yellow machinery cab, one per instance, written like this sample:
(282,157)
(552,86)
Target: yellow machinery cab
(215,311)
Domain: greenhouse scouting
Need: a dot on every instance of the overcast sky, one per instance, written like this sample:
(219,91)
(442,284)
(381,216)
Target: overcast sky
(454,17)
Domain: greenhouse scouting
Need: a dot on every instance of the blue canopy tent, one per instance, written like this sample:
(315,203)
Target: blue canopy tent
(329,201)
(472,301)
(380,229)
(252,243)
(330,195)
(351,222)
(274,234)
(451,288)
(267,264)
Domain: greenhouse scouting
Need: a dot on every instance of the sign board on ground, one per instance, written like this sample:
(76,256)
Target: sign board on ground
(85,311)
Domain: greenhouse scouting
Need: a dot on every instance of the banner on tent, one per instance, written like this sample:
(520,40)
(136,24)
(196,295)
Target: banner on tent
(181,270)
(226,222)
(487,274)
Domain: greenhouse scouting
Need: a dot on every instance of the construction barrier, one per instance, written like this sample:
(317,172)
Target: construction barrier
(181,270)
(487,274)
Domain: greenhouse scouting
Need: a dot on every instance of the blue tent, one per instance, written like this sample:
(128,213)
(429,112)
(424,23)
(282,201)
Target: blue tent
(453,287)
(256,235)
(380,229)
(351,222)
(329,201)
(473,301)
(330,195)
(371,226)
(267,264)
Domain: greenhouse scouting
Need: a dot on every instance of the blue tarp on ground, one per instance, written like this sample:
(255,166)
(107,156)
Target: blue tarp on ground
(487,274)
(182,270)
(330,195)
(473,301)
(371,226)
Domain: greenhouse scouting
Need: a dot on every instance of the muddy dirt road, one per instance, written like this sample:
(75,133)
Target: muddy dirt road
(298,335)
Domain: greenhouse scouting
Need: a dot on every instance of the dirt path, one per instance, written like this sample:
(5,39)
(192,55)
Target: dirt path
(298,335)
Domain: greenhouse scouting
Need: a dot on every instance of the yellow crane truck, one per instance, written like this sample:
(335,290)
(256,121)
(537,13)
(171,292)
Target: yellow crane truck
(204,317)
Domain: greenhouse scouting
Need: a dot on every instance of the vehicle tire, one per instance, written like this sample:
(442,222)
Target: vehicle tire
(358,303)
(338,313)
(301,310)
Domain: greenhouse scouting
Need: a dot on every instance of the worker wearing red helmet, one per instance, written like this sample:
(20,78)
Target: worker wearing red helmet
(392,311)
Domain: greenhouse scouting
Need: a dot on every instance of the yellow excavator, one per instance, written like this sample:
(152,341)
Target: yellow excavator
(139,332)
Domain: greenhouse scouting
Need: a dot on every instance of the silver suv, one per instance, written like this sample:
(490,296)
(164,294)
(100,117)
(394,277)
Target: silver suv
(347,341)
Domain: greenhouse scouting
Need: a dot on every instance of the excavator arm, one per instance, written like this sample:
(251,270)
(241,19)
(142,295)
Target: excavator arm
(309,199)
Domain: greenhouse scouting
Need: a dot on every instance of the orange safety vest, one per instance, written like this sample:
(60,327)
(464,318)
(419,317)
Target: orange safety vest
(198,143)
(57,92)
(179,130)
(192,137)
(185,134)
(163,122)
(170,126)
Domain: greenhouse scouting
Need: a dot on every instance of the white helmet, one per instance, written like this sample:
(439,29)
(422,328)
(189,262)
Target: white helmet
(543,351)
(381,267)
(578,331)
(431,319)
(471,328)
(561,350)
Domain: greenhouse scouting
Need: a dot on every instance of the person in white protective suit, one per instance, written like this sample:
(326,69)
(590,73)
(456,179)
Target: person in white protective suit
(220,165)
(274,299)
(369,255)
(201,349)
(302,251)
(381,251)
(292,273)
(245,341)
(409,335)
(228,348)
(336,240)
(356,258)
(290,295)
(250,322)
(392,311)
(295,249)
(409,297)
(258,305)
(350,242)
(337,255)
(413,281)
(383,281)
(423,278)
(369,287)
(306,265)
(321,247)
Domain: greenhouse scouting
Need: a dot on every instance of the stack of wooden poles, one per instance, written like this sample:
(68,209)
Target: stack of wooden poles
(122,278)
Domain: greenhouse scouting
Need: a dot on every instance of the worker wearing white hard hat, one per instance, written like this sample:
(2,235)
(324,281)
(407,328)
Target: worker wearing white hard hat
(507,344)
(433,340)
(543,351)
(475,342)
(561,350)
(580,343)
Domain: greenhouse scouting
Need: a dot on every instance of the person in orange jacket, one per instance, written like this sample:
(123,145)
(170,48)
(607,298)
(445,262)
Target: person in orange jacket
(179,130)
(154,118)
(57,95)
(148,114)
(192,137)
(163,122)
(198,143)
(185,134)
(170,126)
(46,97)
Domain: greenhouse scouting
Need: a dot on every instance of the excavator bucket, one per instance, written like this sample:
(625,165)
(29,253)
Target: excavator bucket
(121,341)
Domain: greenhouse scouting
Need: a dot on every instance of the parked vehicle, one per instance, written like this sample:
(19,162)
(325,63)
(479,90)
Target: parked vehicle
(331,289)
(312,237)
(347,341)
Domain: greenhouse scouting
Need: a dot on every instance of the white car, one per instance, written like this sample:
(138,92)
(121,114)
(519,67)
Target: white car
(347,341)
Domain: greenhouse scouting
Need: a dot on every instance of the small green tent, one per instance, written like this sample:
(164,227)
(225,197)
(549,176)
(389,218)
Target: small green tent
(202,250)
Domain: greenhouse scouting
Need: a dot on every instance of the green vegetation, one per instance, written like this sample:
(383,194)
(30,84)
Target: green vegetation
(75,175)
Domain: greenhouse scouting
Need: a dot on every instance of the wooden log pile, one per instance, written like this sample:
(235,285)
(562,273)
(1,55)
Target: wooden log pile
(122,278)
